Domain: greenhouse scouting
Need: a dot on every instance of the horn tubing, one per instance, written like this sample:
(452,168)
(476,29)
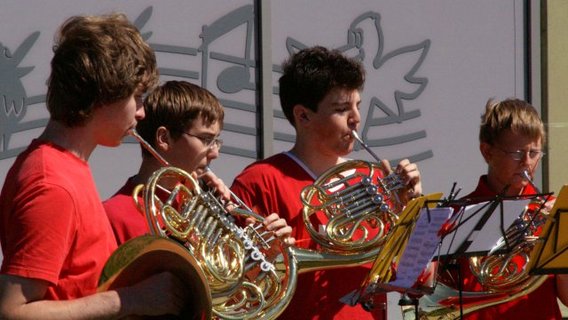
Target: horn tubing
(148,147)
(356,136)
(298,260)
(527,177)
(393,181)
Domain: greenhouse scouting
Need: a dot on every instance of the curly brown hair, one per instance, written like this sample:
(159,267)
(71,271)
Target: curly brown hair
(97,60)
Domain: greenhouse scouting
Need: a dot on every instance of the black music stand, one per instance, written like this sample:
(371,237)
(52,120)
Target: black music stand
(480,229)
(552,246)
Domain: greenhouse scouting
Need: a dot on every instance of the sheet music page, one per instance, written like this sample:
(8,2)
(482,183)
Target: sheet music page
(481,241)
(421,246)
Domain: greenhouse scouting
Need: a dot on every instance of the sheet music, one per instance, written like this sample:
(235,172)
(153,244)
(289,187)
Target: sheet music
(421,246)
(481,241)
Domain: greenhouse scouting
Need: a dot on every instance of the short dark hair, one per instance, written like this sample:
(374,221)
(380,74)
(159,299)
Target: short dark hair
(312,73)
(97,60)
(175,105)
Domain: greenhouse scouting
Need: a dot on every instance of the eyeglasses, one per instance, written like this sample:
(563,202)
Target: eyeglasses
(209,142)
(518,155)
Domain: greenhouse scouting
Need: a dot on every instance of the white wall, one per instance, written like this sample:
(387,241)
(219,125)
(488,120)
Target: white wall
(457,54)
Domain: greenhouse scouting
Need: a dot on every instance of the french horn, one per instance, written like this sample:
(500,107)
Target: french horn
(246,268)
(356,206)
(143,256)
(352,205)
(504,276)
(247,272)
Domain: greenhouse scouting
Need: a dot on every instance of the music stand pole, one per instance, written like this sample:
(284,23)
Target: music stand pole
(405,300)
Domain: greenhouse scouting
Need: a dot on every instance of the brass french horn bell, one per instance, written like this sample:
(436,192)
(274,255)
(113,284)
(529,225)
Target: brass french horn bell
(143,256)
(352,205)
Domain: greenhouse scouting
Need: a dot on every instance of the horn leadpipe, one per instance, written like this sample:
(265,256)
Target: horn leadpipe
(149,148)
(393,178)
(526,176)
(356,136)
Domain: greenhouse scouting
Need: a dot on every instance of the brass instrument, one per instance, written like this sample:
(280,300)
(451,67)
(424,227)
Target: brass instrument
(355,206)
(144,256)
(498,272)
(246,268)
(249,273)
(504,276)
(352,205)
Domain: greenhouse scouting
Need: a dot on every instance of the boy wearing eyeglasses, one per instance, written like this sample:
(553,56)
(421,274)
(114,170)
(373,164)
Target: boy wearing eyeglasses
(511,140)
(182,123)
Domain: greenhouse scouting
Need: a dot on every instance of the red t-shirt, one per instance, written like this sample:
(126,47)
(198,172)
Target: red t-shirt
(539,304)
(52,223)
(126,220)
(274,185)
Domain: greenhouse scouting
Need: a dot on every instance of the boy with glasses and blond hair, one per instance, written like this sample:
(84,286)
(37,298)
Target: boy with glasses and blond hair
(511,139)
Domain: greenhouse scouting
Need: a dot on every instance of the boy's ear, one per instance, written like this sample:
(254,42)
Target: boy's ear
(301,114)
(163,139)
(486,151)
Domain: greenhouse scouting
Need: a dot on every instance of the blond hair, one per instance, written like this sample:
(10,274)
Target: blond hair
(515,115)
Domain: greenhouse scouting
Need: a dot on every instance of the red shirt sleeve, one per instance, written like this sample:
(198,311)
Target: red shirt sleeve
(44,223)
